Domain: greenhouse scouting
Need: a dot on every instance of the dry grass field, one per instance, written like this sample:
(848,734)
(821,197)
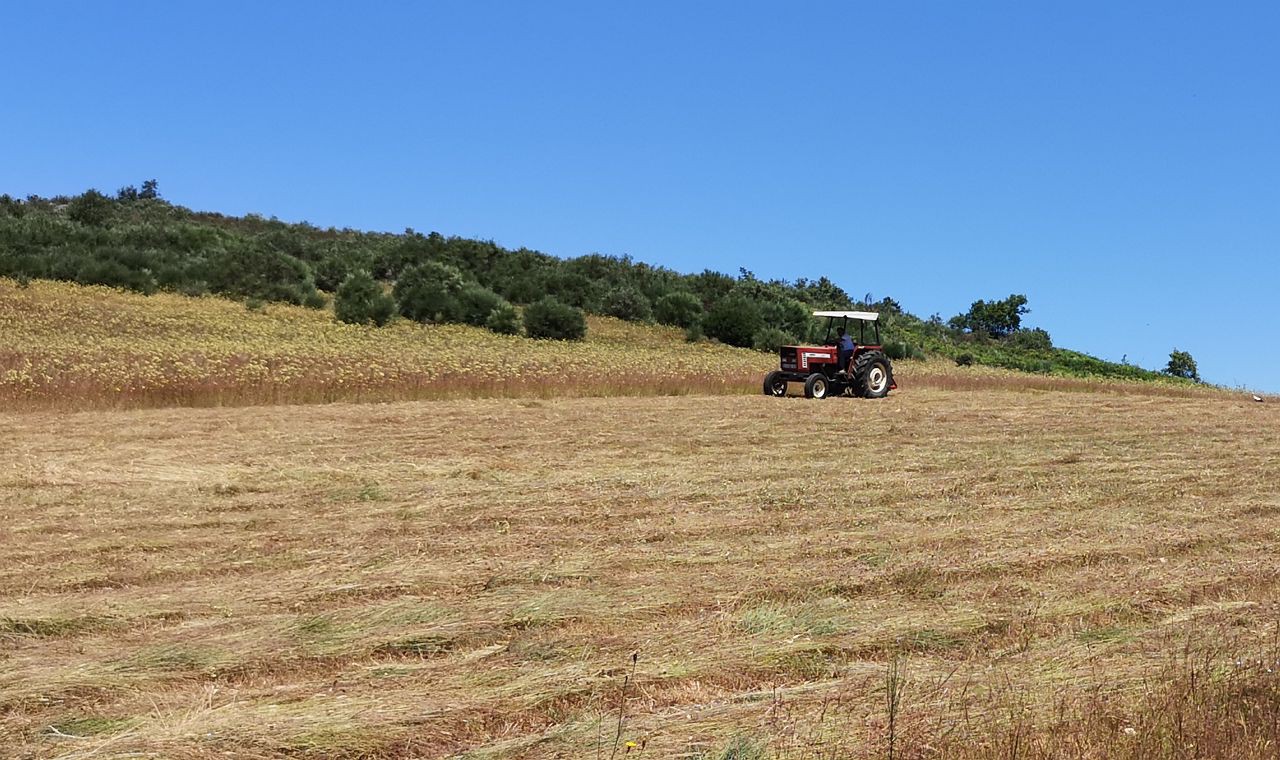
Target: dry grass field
(948,572)
(70,346)
(66,346)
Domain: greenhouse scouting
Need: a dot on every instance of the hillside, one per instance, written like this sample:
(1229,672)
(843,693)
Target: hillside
(140,242)
(975,575)
(77,347)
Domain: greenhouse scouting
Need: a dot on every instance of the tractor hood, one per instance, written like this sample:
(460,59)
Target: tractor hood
(798,358)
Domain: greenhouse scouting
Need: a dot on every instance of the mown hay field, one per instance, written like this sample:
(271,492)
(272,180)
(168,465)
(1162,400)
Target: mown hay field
(936,574)
(68,346)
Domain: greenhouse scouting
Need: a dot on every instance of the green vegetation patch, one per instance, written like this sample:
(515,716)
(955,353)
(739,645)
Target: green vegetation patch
(821,617)
(1108,634)
(421,645)
(174,658)
(53,627)
(90,726)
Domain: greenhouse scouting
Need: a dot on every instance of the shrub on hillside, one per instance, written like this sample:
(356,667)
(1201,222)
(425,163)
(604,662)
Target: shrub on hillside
(553,319)
(10,206)
(1032,340)
(626,302)
(734,319)
(337,264)
(788,315)
(900,349)
(92,208)
(504,319)
(361,300)
(572,288)
(678,309)
(244,269)
(429,292)
(476,303)
(771,339)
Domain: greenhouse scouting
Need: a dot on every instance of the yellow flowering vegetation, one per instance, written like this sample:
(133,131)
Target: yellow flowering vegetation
(70,345)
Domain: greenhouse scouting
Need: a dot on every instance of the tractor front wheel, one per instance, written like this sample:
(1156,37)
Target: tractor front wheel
(872,375)
(816,386)
(775,384)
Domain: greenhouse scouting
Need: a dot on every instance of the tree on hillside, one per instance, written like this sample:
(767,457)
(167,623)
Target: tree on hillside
(553,319)
(361,300)
(504,319)
(476,303)
(1036,340)
(997,318)
(734,319)
(428,292)
(1182,365)
(680,309)
(823,294)
(91,208)
(626,302)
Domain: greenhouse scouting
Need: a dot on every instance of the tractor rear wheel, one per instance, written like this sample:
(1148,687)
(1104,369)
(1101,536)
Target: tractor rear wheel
(775,384)
(872,375)
(816,386)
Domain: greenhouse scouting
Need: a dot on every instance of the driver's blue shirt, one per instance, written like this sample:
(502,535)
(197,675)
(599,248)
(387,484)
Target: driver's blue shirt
(846,343)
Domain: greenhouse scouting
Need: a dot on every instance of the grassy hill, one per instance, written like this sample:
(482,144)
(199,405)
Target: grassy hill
(140,242)
(73,346)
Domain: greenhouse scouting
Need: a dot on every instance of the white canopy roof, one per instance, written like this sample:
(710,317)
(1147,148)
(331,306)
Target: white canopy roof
(870,316)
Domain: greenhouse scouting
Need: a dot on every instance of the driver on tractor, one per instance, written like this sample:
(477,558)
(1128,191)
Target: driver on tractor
(846,347)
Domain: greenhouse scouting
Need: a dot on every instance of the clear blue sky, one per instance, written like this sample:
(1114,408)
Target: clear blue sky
(1119,163)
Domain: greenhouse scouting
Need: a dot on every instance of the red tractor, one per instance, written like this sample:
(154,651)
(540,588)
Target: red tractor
(833,369)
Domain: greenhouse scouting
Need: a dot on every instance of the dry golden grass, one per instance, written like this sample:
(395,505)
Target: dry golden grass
(71,346)
(65,346)
(473,576)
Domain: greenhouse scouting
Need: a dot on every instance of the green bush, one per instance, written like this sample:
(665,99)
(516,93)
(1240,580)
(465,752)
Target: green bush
(897,349)
(678,309)
(361,300)
(770,339)
(1031,340)
(626,302)
(504,319)
(10,206)
(553,319)
(693,333)
(476,303)
(244,269)
(734,319)
(429,292)
(788,315)
(337,264)
(92,208)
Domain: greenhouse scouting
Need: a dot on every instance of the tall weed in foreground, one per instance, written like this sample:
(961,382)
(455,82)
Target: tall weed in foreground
(1197,704)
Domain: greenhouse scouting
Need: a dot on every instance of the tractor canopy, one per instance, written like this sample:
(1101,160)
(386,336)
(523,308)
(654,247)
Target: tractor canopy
(841,319)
